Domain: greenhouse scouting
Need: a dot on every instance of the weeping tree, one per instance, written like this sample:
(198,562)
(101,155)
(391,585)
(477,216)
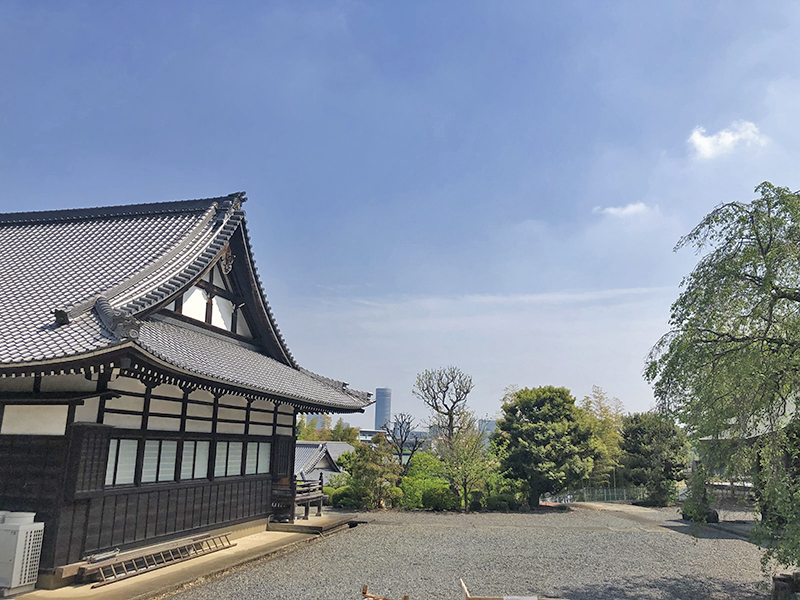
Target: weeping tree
(729,367)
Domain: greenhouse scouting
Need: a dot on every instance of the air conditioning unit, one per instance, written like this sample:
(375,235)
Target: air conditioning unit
(20,549)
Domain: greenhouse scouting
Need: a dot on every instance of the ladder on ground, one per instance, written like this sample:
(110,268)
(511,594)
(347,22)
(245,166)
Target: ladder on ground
(148,559)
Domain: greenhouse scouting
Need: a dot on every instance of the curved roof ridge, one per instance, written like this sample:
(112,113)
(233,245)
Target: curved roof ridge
(157,286)
(121,210)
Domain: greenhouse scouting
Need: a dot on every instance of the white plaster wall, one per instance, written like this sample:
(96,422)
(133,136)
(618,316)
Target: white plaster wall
(127,384)
(170,391)
(68,383)
(165,406)
(200,410)
(194,304)
(231,413)
(230,428)
(87,412)
(34,420)
(241,326)
(163,423)
(16,384)
(126,403)
(258,417)
(198,426)
(202,396)
(260,429)
(285,419)
(123,421)
(229,400)
(222,313)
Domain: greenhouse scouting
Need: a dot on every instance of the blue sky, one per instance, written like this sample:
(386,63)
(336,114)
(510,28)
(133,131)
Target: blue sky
(494,185)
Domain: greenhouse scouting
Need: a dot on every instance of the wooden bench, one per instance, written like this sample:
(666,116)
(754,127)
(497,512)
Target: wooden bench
(307,492)
(287,494)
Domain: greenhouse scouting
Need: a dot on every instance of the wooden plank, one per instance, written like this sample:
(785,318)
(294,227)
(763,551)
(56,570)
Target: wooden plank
(78,533)
(92,540)
(152,515)
(120,514)
(141,516)
(172,512)
(131,517)
(107,522)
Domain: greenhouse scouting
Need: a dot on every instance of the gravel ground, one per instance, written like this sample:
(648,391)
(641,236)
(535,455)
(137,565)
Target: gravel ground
(585,554)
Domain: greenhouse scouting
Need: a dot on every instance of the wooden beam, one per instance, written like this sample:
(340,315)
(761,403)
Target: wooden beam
(51,397)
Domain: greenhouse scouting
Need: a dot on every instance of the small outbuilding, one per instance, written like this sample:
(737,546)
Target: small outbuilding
(312,459)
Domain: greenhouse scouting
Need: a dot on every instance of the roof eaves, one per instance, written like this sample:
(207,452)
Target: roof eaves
(296,401)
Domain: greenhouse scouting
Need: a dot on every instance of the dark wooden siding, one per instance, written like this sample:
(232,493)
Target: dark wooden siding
(88,455)
(32,471)
(284,457)
(123,520)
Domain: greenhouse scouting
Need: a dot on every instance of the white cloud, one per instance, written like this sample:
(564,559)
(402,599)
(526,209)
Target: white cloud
(711,146)
(628,210)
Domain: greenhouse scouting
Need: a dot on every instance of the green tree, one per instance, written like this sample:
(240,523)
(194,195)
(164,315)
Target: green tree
(425,473)
(373,472)
(465,457)
(604,416)
(344,433)
(729,367)
(731,359)
(654,454)
(314,429)
(544,440)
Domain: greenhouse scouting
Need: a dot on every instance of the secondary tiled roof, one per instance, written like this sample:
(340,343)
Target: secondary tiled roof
(336,449)
(206,354)
(308,455)
(134,258)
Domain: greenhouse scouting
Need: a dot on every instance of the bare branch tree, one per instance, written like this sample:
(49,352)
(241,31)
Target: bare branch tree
(401,437)
(445,392)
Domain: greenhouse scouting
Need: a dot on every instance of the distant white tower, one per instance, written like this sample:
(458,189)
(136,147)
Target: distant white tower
(383,407)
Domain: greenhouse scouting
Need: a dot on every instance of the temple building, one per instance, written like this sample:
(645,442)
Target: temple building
(146,392)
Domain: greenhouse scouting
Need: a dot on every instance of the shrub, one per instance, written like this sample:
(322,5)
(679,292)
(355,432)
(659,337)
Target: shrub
(414,487)
(440,498)
(502,502)
(345,497)
(347,503)
(497,503)
(475,505)
(395,496)
(338,480)
(328,491)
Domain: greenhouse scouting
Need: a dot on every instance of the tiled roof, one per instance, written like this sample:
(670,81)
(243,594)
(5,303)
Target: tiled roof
(223,360)
(103,267)
(306,455)
(336,449)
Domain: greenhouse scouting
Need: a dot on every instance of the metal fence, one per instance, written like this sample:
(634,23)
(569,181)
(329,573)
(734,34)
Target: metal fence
(599,495)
